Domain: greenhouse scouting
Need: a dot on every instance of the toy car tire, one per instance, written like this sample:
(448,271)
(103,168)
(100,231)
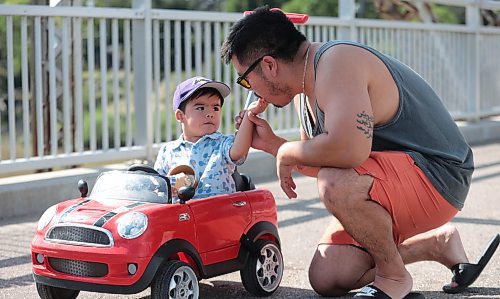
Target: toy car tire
(49,292)
(263,271)
(175,279)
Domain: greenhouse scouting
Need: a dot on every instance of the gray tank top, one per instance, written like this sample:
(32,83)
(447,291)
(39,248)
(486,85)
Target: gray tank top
(422,127)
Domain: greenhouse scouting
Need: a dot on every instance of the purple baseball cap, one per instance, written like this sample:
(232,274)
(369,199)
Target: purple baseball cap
(188,87)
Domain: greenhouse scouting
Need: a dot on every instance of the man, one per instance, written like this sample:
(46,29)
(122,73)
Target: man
(392,166)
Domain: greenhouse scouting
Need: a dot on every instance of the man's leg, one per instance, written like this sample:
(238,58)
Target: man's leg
(345,194)
(442,245)
(337,269)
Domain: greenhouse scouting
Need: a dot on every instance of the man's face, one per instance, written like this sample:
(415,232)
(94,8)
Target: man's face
(264,81)
(201,117)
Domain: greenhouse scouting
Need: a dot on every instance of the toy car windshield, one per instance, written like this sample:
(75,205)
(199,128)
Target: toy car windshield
(130,186)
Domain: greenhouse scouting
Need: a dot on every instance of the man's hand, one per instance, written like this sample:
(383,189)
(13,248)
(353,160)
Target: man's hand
(263,137)
(284,171)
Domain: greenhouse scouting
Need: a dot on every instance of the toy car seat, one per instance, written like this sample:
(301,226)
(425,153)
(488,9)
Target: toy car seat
(243,182)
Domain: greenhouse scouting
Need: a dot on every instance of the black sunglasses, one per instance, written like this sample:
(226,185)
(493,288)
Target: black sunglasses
(242,80)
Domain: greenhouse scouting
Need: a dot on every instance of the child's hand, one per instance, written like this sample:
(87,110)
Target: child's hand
(258,106)
(174,192)
(184,180)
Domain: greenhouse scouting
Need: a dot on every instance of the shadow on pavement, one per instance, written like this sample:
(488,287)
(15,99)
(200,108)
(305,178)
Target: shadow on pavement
(303,206)
(475,221)
(485,177)
(230,290)
(18,281)
(471,292)
(15,261)
(486,165)
(19,219)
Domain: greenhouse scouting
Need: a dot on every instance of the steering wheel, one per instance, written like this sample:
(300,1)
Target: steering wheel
(148,169)
(142,167)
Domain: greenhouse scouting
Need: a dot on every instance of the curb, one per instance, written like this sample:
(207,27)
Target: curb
(32,194)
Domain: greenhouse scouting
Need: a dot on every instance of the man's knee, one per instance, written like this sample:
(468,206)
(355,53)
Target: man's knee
(326,284)
(336,187)
(336,270)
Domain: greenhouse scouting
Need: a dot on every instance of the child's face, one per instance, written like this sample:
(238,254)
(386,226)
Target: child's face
(201,117)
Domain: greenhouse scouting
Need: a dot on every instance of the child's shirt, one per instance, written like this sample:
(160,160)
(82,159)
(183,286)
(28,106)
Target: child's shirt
(210,159)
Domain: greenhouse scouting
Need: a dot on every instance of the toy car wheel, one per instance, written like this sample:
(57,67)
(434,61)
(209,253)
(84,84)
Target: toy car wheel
(175,279)
(262,273)
(48,292)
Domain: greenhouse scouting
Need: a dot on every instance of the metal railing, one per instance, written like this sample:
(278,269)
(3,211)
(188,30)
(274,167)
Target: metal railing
(94,85)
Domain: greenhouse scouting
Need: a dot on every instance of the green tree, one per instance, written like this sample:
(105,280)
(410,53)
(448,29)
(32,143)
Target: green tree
(449,14)
(314,7)
(203,5)
(240,6)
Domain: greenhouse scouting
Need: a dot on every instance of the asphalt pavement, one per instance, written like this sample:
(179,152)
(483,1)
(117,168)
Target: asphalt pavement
(301,223)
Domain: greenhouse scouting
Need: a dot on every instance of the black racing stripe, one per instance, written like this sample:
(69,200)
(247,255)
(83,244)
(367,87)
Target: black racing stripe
(135,204)
(101,221)
(71,209)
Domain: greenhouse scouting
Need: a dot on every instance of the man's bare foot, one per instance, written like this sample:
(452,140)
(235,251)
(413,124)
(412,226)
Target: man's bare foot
(395,287)
(449,249)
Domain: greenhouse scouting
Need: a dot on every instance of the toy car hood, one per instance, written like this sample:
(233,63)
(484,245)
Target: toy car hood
(97,213)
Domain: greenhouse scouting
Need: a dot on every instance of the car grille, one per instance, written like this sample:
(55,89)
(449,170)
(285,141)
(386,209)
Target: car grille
(79,234)
(78,268)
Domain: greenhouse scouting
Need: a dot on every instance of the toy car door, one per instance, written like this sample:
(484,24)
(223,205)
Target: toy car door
(220,222)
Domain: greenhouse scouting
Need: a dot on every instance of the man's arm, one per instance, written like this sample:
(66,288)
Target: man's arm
(341,90)
(311,171)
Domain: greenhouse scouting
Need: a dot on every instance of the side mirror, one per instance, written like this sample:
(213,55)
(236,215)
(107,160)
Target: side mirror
(185,194)
(83,187)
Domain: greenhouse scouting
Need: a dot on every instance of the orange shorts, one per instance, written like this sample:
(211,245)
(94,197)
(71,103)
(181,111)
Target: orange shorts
(405,192)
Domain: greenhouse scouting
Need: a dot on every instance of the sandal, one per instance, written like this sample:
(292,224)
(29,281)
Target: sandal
(464,274)
(373,292)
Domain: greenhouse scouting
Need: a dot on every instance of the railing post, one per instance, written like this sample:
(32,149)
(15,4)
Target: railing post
(142,65)
(473,21)
(347,12)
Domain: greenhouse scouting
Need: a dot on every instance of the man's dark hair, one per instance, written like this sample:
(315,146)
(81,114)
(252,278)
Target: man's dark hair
(263,32)
(204,91)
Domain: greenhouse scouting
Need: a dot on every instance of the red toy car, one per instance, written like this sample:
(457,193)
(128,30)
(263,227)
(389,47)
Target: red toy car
(128,235)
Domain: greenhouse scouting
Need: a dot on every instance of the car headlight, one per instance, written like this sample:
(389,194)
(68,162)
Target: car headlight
(132,225)
(46,217)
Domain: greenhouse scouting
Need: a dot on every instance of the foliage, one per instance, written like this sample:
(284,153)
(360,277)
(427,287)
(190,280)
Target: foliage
(449,14)
(204,5)
(327,8)
(240,6)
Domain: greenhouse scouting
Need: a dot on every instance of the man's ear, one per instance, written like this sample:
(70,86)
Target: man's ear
(179,115)
(270,65)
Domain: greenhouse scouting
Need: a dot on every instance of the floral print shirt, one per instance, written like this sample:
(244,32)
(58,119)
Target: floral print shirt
(210,159)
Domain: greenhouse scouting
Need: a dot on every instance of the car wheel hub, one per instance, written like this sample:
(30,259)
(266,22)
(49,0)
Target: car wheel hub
(183,284)
(269,268)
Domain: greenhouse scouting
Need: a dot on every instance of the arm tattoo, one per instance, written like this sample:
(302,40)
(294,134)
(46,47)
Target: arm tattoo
(365,124)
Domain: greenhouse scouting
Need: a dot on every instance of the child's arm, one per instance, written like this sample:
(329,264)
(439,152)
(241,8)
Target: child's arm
(243,139)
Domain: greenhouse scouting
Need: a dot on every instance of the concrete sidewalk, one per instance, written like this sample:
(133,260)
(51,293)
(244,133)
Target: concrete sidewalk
(301,223)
